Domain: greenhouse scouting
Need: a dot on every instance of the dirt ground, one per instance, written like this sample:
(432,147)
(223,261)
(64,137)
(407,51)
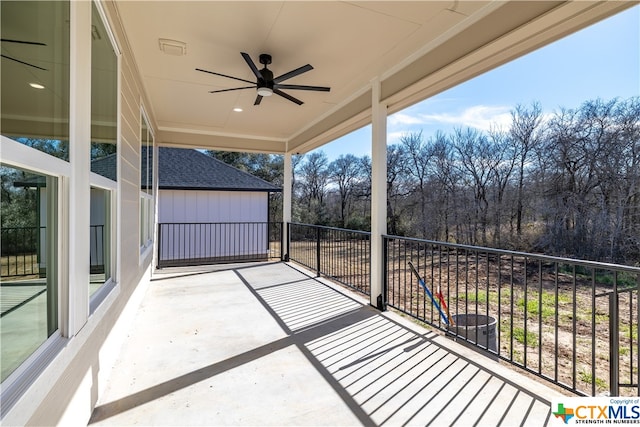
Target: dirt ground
(553,319)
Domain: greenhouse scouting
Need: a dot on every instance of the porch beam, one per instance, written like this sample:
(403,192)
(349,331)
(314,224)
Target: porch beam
(378,192)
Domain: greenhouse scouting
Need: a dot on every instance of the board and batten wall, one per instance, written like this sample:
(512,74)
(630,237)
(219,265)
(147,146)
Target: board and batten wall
(67,389)
(212,206)
(204,224)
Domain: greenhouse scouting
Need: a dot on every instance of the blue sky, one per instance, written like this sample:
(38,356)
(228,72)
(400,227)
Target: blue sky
(601,61)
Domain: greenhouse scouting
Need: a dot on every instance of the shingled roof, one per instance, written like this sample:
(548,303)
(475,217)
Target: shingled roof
(185,169)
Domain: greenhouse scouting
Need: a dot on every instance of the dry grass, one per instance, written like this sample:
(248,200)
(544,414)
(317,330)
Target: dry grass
(17,266)
(547,325)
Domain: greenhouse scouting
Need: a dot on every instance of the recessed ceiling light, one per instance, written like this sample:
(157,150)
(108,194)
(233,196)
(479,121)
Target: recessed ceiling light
(237,110)
(36,85)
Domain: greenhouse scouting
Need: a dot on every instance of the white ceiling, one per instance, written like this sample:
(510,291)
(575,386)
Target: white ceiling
(415,48)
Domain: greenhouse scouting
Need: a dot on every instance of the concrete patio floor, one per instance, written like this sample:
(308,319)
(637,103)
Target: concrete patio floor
(271,345)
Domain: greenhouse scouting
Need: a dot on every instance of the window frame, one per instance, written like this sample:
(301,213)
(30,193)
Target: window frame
(146,204)
(111,187)
(15,154)
(74,307)
(103,183)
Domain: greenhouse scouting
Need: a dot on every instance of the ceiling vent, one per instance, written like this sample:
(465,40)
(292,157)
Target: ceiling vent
(173,47)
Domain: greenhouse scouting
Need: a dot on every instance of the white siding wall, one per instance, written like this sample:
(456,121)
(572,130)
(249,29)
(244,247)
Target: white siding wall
(211,206)
(198,224)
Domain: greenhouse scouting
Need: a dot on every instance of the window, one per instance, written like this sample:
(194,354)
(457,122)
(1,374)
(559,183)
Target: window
(34,117)
(35,75)
(29,288)
(99,236)
(104,100)
(104,152)
(146,183)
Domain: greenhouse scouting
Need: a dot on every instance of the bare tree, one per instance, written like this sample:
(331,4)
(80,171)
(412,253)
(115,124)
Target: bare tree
(477,157)
(525,135)
(345,172)
(571,181)
(581,141)
(314,178)
(445,183)
(418,155)
(396,168)
(501,172)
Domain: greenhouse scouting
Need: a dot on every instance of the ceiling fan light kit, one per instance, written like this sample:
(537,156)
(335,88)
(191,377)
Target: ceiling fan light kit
(265,91)
(265,83)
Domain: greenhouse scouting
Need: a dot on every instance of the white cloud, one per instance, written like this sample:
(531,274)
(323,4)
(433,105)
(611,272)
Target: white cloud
(482,117)
(394,137)
(546,118)
(404,119)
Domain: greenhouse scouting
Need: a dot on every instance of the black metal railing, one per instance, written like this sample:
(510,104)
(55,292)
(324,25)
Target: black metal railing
(181,244)
(96,249)
(574,323)
(20,251)
(342,255)
(23,254)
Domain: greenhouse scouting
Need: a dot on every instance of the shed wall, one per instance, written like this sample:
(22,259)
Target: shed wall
(198,226)
(212,206)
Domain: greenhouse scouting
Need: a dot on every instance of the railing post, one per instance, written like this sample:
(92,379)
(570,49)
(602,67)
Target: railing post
(318,251)
(287,256)
(159,244)
(614,346)
(279,227)
(268,239)
(382,299)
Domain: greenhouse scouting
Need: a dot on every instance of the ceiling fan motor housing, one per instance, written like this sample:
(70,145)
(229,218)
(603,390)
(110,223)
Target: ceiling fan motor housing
(267,78)
(265,59)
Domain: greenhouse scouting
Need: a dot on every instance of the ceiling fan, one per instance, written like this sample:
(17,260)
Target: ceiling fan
(266,84)
(17,60)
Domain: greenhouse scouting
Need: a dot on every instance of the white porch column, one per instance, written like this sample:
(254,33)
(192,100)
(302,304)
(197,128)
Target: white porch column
(378,191)
(287,191)
(79,158)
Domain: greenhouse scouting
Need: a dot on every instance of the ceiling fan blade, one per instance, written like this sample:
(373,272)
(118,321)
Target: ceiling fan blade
(252,65)
(233,88)
(24,63)
(23,42)
(287,96)
(293,73)
(258,100)
(224,75)
(303,87)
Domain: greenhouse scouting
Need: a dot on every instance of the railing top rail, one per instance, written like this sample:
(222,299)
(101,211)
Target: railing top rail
(549,258)
(224,223)
(23,228)
(366,233)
